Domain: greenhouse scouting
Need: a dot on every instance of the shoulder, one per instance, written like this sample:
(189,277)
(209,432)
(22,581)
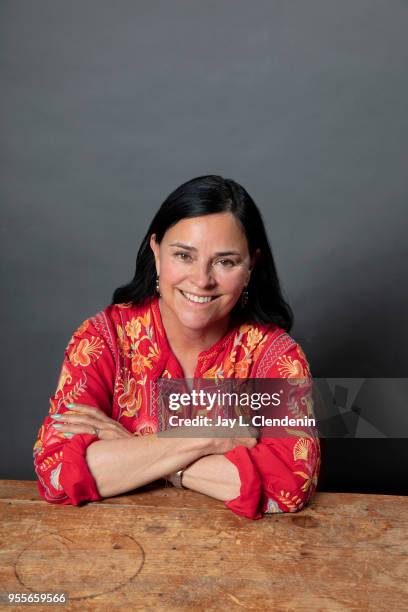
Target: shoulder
(109,324)
(276,352)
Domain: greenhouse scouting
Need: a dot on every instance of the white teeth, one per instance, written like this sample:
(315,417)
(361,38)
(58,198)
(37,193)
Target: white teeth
(196,298)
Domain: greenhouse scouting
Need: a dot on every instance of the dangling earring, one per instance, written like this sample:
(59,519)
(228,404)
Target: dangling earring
(157,285)
(244,298)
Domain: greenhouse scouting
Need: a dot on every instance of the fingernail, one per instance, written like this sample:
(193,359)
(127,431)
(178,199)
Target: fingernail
(70,405)
(57,425)
(56,416)
(67,434)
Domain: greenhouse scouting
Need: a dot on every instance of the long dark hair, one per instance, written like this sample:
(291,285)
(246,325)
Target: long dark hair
(205,195)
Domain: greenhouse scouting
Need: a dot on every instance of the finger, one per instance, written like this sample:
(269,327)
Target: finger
(84,420)
(75,417)
(91,420)
(72,428)
(77,425)
(86,409)
(87,415)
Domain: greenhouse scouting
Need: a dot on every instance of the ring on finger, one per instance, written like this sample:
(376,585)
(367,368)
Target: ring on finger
(96,431)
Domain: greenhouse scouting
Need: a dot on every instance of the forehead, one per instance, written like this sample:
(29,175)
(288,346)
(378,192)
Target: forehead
(209,231)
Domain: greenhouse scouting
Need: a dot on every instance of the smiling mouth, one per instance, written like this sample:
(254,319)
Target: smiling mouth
(198,299)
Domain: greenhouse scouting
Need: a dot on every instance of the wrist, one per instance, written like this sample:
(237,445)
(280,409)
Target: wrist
(177,478)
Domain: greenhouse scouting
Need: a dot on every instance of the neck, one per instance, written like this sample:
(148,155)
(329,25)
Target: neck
(190,341)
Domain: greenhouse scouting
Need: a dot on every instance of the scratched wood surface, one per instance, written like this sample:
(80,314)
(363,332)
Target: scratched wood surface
(165,549)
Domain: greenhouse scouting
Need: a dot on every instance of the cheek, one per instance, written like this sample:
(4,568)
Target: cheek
(233,281)
(171,273)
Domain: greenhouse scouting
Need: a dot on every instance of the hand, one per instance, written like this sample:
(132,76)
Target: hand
(90,420)
(228,438)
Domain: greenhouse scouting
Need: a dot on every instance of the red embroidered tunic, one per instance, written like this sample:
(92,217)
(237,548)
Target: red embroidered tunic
(109,363)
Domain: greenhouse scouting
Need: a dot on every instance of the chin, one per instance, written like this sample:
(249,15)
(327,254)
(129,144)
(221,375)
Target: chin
(195,322)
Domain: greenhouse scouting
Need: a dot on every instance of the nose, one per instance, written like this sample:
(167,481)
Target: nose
(202,275)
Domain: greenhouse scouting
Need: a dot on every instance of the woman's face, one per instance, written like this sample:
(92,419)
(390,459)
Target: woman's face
(204,265)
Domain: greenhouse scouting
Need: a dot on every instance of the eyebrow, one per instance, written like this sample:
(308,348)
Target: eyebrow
(191,248)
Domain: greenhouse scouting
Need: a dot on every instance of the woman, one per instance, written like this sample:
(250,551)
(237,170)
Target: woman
(205,302)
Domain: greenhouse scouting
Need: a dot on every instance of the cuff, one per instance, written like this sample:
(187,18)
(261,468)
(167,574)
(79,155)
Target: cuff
(248,501)
(75,478)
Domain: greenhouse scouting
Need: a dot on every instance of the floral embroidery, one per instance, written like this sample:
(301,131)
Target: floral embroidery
(75,393)
(239,360)
(307,450)
(50,461)
(301,449)
(260,347)
(292,502)
(65,378)
(82,354)
(141,349)
(123,343)
(289,368)
(133,328)
(140,362)
(254,337)
(128,398)
(242,368)
(131,398)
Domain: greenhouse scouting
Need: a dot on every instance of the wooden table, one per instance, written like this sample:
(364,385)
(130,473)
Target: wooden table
(167,549)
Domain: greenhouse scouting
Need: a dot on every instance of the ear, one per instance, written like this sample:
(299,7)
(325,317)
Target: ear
(156,252)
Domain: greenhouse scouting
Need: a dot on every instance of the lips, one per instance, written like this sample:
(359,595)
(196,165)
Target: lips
(198,299)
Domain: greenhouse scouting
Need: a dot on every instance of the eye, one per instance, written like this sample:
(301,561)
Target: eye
(182,255)
(226,263)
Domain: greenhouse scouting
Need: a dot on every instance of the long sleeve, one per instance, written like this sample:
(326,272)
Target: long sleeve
(280,474)
(86,377)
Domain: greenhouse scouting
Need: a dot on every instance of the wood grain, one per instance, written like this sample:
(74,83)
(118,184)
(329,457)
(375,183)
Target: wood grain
(167,549)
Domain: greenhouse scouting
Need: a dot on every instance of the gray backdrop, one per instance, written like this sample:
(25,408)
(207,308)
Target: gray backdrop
(106,107)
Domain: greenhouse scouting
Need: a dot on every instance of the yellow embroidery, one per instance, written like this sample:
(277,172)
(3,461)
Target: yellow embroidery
(254,337)
(85,351)
(64,378)
(133,328)
(308,481)
(289,368)
(131,398)
(293,503)
(140,362)
(248,339)
(301,449)
(123,343)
